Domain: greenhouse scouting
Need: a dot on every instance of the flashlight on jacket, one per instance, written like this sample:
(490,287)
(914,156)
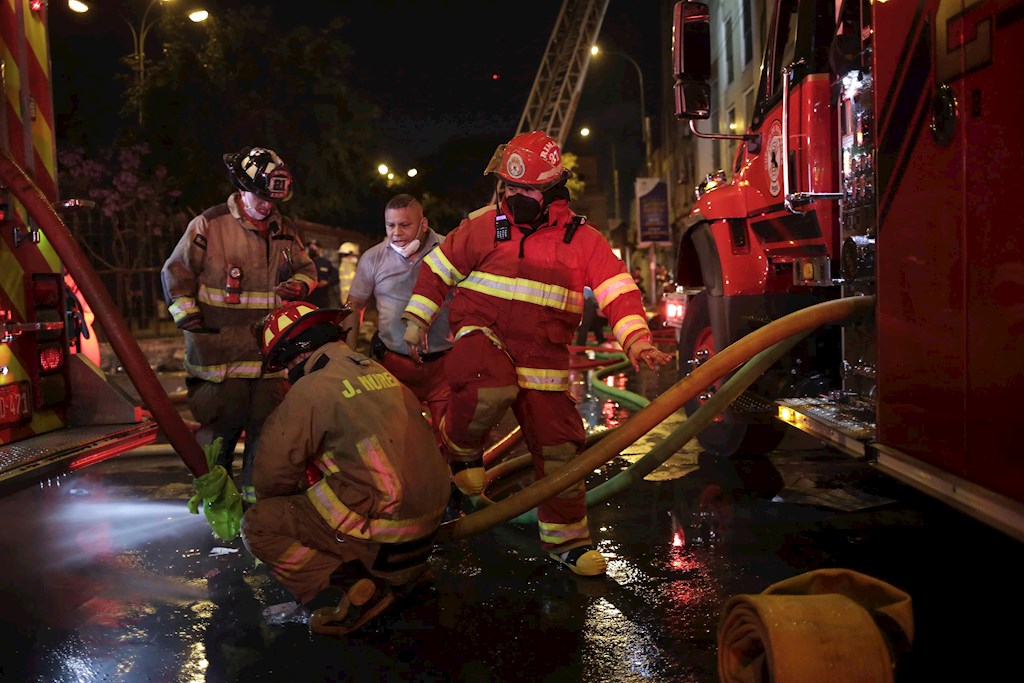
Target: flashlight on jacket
(233,284)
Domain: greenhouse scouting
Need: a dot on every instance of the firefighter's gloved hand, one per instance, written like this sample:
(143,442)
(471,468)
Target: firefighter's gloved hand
(415,339)
(291,290)
(221,501)
(191,323)
(647,352)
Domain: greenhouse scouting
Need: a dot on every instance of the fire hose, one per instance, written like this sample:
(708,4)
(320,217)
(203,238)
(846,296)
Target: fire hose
(135,364)
(653,414)
(676,439)
(824,625)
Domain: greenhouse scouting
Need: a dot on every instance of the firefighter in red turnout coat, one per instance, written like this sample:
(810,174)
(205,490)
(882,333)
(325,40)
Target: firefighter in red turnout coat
(520,268)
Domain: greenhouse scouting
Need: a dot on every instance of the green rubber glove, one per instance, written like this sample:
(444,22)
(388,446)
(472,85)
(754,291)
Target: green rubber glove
(221,501)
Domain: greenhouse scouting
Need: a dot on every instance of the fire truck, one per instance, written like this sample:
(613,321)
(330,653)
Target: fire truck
(58,412)
(880,160)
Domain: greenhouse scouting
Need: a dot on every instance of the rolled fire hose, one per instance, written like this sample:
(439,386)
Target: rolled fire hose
(135,363)
(823,626)
(660,408)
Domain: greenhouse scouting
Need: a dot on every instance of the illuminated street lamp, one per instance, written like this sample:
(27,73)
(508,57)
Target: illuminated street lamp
(139,34)
(389,174)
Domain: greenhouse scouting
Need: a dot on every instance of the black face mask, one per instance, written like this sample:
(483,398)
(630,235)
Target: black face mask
(524,209)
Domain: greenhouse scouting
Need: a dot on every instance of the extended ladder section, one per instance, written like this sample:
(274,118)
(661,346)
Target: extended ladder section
(556,90)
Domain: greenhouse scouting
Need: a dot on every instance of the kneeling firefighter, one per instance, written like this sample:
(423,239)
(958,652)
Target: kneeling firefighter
(350,485)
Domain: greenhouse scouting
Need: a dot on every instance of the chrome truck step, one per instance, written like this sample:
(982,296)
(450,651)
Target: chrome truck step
(753,405)
(67,449)
(844,424)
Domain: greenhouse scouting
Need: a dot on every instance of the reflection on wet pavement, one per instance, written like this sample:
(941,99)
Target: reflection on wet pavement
(108,578)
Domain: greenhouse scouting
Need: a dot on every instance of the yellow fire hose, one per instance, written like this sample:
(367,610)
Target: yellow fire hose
(660,408)
(823,626)
(678,438)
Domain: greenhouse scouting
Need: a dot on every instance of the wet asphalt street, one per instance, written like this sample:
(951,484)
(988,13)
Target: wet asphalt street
(107,577)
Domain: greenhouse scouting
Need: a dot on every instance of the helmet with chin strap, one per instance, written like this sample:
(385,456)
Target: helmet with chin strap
(531,159)
(297,327)
(260,171)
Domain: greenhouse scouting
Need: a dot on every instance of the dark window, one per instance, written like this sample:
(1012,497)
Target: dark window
(748,33)
(729,66)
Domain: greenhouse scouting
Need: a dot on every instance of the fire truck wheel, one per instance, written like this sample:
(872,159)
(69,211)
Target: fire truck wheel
(731,434)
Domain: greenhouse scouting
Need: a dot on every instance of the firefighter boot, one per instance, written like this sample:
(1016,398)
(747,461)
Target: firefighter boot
(583,561)
(366,599)
(469,476)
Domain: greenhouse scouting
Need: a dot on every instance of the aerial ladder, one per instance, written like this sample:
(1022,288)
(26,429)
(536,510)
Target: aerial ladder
(555,94)
(556,90)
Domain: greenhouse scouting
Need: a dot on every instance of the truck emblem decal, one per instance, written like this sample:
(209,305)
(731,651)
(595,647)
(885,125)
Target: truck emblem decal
(773,158)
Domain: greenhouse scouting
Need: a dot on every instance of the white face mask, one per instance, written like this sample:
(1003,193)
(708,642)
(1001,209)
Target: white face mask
(408,250)
(257,208)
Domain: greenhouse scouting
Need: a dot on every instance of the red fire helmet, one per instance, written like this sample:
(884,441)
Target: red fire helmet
(284,325)
(532,159)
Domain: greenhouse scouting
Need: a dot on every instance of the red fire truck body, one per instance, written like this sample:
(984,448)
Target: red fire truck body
(57,411)
(881,160)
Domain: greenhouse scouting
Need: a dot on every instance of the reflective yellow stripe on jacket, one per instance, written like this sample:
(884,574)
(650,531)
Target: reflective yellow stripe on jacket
(521,289)
(351,523)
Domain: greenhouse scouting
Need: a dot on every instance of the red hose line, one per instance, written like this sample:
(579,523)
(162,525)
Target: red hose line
(134,361)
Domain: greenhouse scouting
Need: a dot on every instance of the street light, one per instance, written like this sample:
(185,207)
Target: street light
(645,132)
(391,178)
(644,128)
(139,35)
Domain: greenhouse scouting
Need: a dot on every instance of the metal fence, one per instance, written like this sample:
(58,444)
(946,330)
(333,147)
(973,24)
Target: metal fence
(127,255)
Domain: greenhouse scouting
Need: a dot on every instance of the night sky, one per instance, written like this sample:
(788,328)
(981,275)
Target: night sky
(435,69)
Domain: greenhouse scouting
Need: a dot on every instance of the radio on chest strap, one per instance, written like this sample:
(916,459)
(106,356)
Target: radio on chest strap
(571,228)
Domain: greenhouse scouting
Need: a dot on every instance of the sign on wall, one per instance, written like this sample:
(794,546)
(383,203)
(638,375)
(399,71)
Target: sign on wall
(652,204)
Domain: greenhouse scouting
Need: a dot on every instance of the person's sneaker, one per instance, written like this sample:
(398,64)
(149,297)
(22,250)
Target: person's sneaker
(469,476)
(365,600)
(583,561)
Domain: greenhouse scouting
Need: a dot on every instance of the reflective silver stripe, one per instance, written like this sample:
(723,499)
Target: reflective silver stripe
(237,369)
(351,523)
(614,287)
(543,379)
(215,297)
(563,533)
(181,307)
(627,326)
(521,289)
(422,307)
(442,267)
(488,332)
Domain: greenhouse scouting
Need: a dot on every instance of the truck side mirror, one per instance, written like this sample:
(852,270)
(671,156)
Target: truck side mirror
(693,100)
(691,41)
(691,59)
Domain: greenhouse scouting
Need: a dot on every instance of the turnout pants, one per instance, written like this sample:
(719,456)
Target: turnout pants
(230,408)
(303,551)
(427,381)
(484,385)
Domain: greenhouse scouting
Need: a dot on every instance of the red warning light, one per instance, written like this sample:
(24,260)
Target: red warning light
(495,77)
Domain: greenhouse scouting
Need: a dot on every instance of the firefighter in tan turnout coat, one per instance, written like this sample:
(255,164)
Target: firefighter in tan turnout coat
(350,484)
(236,262)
